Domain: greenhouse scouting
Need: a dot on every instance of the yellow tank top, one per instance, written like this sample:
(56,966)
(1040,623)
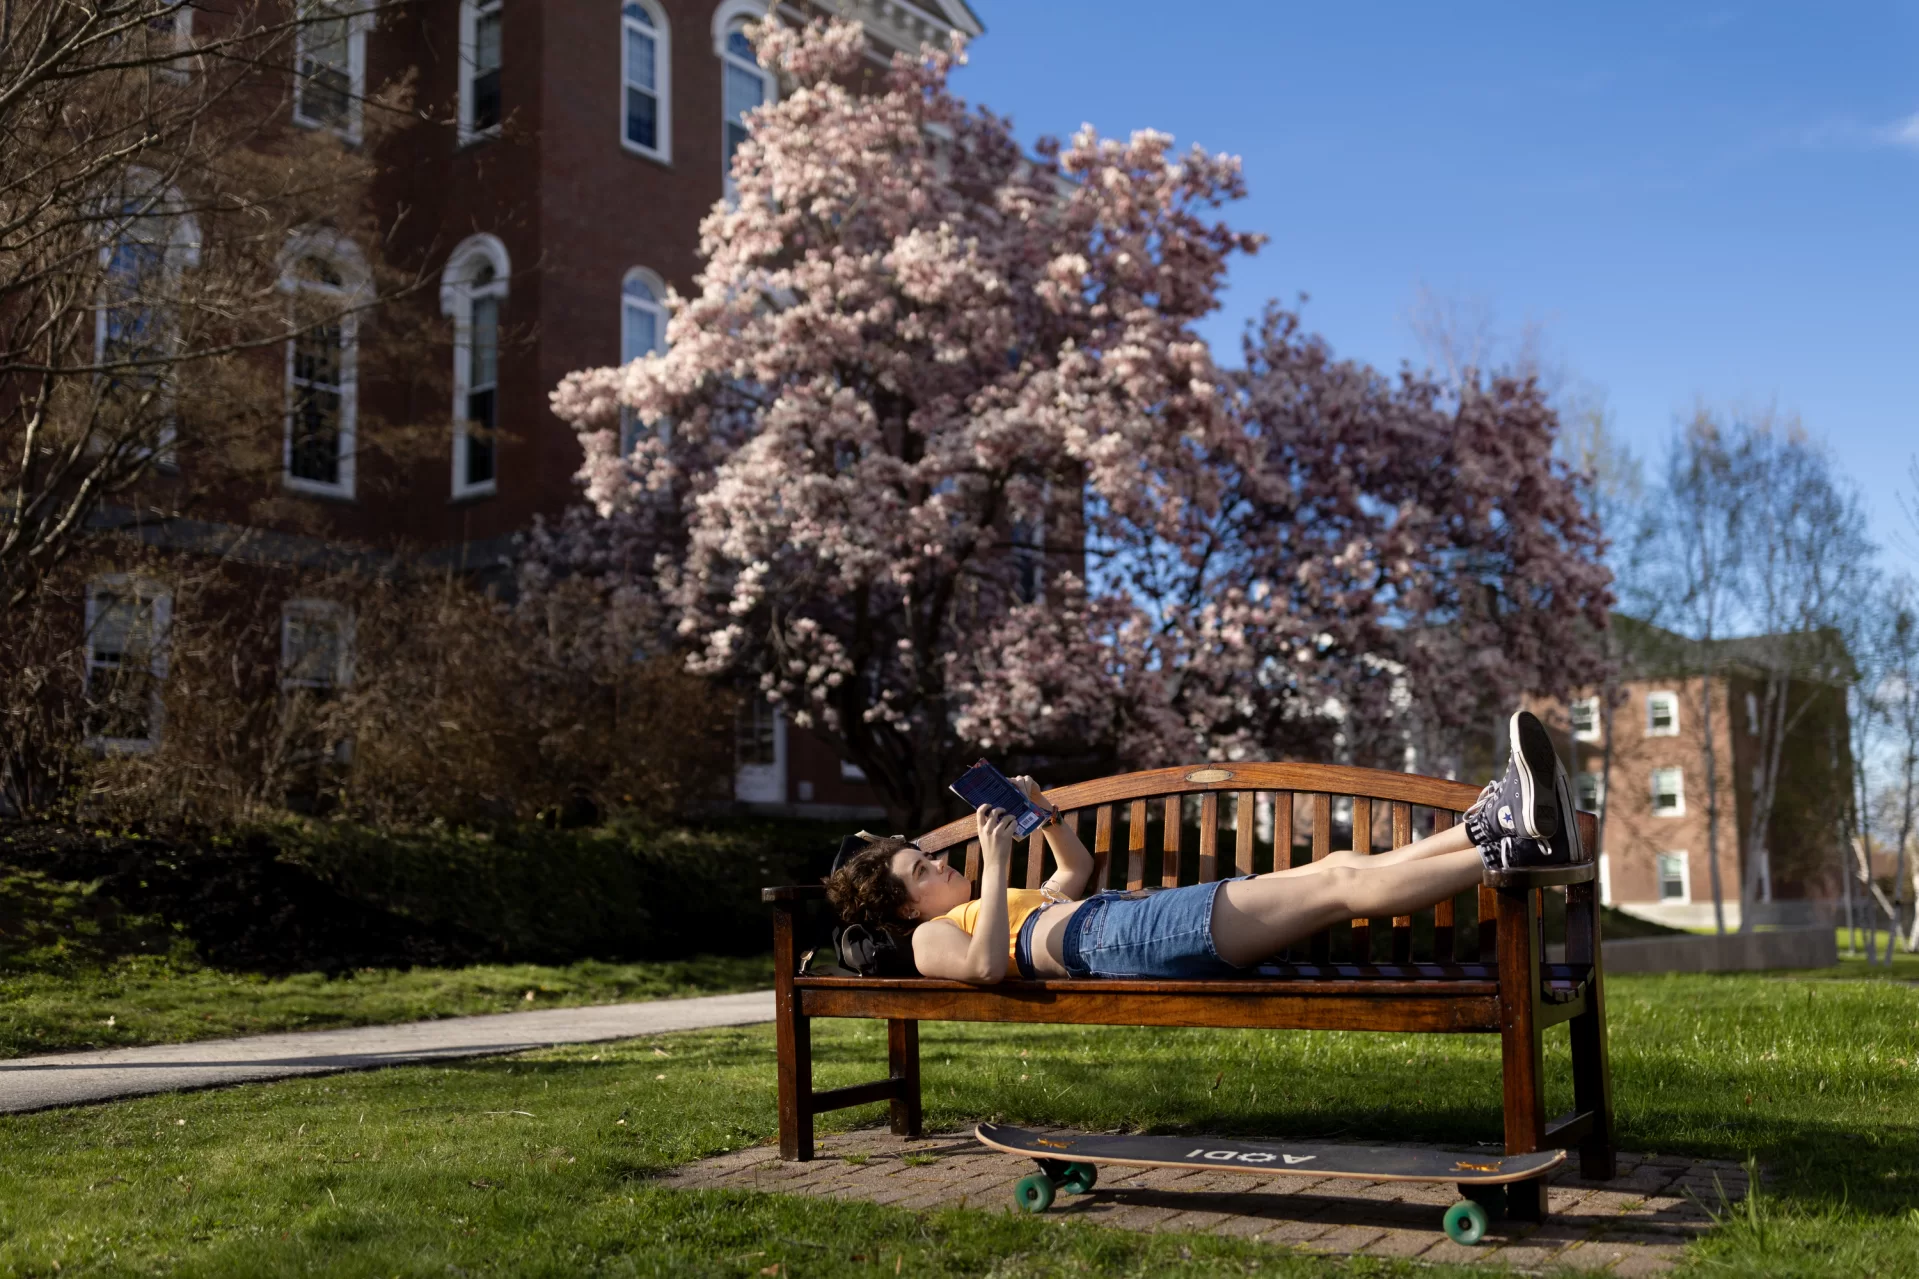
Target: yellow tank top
(1020,902)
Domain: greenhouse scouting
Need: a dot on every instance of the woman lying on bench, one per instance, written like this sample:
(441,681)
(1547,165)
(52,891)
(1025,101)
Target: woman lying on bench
(1525,818)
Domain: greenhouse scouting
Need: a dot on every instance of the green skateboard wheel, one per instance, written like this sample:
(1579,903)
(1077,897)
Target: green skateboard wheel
(1465,1222)
(1079,1178)
(1035,1193)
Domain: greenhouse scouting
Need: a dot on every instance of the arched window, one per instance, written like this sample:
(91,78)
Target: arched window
(126,662)
(146,241)
(330,56)
(642,331)
(480,50)
(472,292)
(326,279)
(646,97)
(747,84)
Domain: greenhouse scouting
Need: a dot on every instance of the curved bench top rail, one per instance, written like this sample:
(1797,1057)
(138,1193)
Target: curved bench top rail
(1155,783)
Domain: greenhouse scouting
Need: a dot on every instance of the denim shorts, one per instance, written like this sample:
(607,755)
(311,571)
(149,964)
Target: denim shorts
(1163,933)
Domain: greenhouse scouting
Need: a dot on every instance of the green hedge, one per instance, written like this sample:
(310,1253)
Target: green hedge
(314,895)
(555,895)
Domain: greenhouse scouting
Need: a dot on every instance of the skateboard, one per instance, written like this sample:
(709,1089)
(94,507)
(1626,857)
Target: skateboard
(1069,1161)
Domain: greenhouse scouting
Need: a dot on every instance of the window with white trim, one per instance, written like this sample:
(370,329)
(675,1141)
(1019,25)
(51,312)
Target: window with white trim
(646,97)
(642,332)
(171,30)
(330,67)
(481,23)
(473,291)
(146,242)
(746,83)
(1605,880)
(326,279)
(1668,792)
(851,772)
(754,732)
(1662,714)
(316,645)
(1585,719)
(1589,792)
(1752,714)
(127,618)
(1675,879)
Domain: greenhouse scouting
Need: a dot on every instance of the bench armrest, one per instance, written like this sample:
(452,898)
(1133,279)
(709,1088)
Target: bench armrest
(793,893)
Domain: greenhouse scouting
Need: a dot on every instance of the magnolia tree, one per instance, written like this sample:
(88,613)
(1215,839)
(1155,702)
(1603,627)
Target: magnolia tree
(936,461)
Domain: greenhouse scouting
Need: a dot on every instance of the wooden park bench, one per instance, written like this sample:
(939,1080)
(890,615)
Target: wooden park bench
(1174,826)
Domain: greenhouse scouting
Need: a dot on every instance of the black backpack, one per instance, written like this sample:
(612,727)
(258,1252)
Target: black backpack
(857,949)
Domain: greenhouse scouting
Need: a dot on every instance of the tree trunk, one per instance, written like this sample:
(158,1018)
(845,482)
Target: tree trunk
(1711,750)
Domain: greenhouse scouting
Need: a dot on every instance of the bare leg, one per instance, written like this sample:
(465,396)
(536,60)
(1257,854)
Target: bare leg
(1451,840)
(1252,918)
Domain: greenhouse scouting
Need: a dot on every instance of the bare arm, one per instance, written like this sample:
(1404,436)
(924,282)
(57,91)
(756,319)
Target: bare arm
(942,949)
(1074,865)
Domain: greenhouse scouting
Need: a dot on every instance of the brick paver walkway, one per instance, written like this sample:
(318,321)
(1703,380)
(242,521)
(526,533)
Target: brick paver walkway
(1635,1224)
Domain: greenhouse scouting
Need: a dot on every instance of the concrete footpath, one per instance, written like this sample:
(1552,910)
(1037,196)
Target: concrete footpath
(67,1079)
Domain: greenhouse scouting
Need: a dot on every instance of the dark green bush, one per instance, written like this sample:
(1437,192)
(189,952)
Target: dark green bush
(551,896)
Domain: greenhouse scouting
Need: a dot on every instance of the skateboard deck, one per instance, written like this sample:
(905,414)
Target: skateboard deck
(1361,1163)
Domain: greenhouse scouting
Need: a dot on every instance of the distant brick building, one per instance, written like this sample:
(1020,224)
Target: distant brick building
(583,141)
(1654,859)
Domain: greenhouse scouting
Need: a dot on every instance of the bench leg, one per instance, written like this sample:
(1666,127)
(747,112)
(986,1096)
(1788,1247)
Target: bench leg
(903,1065)
(1592,1088)
(1522,1055)
(793,1043)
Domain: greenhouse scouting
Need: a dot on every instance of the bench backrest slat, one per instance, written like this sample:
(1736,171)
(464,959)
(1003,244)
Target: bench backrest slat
(1403,924)
(1102,845)
(1362,843)
(1136,845)
(1170,828)
(1245,825)
(1209,837)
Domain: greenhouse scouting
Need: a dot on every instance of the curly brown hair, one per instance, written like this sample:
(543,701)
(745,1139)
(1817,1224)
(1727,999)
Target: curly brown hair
(866,891)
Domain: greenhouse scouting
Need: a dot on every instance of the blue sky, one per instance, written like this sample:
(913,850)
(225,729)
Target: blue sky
(1693,201)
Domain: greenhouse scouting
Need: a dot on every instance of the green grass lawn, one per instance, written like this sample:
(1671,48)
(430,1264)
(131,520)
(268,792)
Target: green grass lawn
(158,999)
(542,1164)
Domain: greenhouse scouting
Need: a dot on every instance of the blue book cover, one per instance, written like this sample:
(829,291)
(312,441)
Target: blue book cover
(984,784)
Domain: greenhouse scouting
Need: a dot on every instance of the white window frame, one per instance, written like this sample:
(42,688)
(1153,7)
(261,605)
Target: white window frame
(1685,876)
(1605,880)
(629,422)
(851,772)
(470,14)
(1591,706)
(764,783)
(457,295)
(1752,713)
(1672,699)
(160,599)
(1598,790)
(662,36)
(730,15)
(310,610)
(354,291)
(179,252)
(1679,792)
(355,69)
(179,33)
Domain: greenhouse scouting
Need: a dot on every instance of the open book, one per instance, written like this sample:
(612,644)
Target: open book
(984,784)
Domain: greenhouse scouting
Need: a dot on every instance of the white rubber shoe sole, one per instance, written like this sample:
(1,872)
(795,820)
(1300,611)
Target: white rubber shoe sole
(1537,765)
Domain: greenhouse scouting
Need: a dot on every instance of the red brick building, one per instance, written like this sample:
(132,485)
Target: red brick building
(1655,859)
(583,141)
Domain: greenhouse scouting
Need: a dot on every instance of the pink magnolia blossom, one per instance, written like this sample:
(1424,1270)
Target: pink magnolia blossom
(916,352)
